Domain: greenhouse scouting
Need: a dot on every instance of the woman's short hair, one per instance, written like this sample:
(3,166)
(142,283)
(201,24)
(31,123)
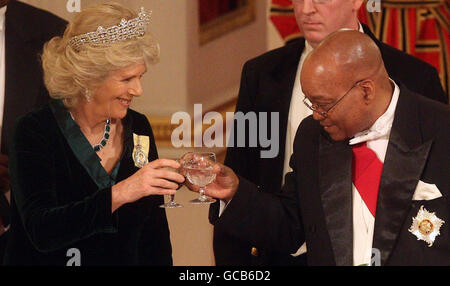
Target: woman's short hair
(69,72)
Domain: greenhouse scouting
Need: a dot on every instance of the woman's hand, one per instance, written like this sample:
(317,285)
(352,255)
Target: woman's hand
(152,179)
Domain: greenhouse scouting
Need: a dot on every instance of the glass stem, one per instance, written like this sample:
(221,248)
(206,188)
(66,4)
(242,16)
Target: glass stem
(202,194)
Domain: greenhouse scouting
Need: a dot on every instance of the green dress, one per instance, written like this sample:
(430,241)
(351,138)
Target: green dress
(61,197)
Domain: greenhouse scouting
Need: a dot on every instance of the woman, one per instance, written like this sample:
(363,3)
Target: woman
(82,191)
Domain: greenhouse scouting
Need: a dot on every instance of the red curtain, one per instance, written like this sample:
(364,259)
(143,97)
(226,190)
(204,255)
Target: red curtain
(418,27)
(282,16)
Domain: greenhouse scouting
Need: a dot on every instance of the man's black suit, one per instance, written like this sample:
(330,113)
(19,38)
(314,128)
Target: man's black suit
(315,204)
(266,86)
(26,30)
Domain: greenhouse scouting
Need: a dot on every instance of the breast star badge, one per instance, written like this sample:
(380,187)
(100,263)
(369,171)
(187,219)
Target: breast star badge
(426,226)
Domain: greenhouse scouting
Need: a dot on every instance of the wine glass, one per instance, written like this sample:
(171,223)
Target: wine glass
(198,167)
(171,204)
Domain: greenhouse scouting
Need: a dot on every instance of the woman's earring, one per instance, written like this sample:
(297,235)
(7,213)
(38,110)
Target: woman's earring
(87,95)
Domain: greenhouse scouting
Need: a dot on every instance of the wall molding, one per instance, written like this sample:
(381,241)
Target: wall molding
(162,130)
(162,126)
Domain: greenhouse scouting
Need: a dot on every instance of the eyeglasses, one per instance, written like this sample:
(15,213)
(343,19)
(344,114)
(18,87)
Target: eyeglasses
(316,107)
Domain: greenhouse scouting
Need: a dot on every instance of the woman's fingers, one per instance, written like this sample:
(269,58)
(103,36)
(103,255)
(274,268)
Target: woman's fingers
(168,175)
(164,184)
(161,163)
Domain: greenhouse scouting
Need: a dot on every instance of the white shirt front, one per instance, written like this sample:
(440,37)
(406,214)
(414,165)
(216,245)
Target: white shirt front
(377,139)
(2,66)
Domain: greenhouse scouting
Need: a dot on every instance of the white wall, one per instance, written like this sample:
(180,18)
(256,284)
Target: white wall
(215,68)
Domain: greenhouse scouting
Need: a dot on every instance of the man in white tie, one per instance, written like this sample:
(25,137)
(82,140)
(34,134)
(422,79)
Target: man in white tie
(271,83)
(370,150)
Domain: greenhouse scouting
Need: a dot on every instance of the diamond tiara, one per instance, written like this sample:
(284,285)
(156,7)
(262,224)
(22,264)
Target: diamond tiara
(130,29)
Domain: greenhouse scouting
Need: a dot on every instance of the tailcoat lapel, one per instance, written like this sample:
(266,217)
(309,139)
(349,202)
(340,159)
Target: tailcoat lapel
(405,160)
(335,184)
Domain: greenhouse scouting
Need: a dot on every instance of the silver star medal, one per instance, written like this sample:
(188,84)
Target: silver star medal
(426,226)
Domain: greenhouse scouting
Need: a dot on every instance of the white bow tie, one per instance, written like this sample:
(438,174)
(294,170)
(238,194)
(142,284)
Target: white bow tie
(380,129)
(371,135)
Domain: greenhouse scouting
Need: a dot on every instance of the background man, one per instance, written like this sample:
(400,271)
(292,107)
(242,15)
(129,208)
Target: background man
(271,83)
(368,169)
(23,32)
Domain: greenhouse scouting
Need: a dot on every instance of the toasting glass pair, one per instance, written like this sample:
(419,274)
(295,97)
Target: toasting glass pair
(197,167)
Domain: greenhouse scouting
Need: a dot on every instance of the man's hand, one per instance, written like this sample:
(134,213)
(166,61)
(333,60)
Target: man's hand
(4,174)
(223,187)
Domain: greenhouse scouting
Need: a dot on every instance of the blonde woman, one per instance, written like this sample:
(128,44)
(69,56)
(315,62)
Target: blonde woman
(82,191)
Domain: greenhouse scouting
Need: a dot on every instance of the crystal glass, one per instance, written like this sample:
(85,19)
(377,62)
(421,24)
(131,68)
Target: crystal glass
(171,204)
(198,169)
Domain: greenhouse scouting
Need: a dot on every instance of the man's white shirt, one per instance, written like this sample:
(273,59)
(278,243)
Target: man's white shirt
(377,139)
